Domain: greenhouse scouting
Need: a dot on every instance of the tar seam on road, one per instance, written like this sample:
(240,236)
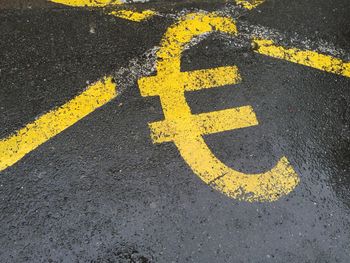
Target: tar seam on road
(16,146)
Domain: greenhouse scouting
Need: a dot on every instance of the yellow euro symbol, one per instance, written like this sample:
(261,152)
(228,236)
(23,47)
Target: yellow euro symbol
(186,130)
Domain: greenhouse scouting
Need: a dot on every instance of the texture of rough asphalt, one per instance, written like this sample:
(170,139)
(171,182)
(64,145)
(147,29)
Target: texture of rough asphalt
(101,191)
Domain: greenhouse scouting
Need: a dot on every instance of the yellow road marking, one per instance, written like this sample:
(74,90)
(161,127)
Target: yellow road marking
(16,146)
(125,14)
(186,130)
(196,80)
(207,123)
(303,57)
(90,3)
(249,4)
(133,15)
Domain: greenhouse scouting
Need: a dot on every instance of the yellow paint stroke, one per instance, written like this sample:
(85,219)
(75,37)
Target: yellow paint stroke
(89,3)
(133,15)
(186,130)
(303,57)
(249,4)
(125,14)
(15,147)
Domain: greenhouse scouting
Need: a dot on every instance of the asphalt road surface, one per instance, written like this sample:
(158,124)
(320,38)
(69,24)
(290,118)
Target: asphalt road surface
(101,190)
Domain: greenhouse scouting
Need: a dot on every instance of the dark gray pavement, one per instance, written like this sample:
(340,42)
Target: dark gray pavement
(101,191)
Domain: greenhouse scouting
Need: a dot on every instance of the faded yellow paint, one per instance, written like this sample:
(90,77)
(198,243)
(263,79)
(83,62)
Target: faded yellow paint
(206,123)
(125,14)
(90,3)
(16,146)
(249,4)
(303,57)
(186,130)
(133,15)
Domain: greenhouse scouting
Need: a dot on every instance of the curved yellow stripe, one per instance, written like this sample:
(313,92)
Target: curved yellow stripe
(186,130)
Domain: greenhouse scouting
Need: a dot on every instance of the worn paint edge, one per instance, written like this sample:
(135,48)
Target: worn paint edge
(303,57)
(249,4)
(25,140)
(88,3)
(133,15)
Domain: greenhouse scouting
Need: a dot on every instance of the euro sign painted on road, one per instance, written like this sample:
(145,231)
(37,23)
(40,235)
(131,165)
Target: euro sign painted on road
(186,130)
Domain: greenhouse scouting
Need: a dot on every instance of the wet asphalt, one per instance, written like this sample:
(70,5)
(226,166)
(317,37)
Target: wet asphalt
(101,191)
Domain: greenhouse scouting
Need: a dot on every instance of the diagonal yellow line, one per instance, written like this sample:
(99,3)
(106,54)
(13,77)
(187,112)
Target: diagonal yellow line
(133,15)
(249,4)
(16,146)
(303,57)
(90,3)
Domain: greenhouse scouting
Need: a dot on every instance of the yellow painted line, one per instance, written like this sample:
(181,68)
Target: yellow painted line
(207,123)
(196,80)
(133,15)
(250,4)
(89,3)
(125,14)
(303,57)
(186,130)
(16,146)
